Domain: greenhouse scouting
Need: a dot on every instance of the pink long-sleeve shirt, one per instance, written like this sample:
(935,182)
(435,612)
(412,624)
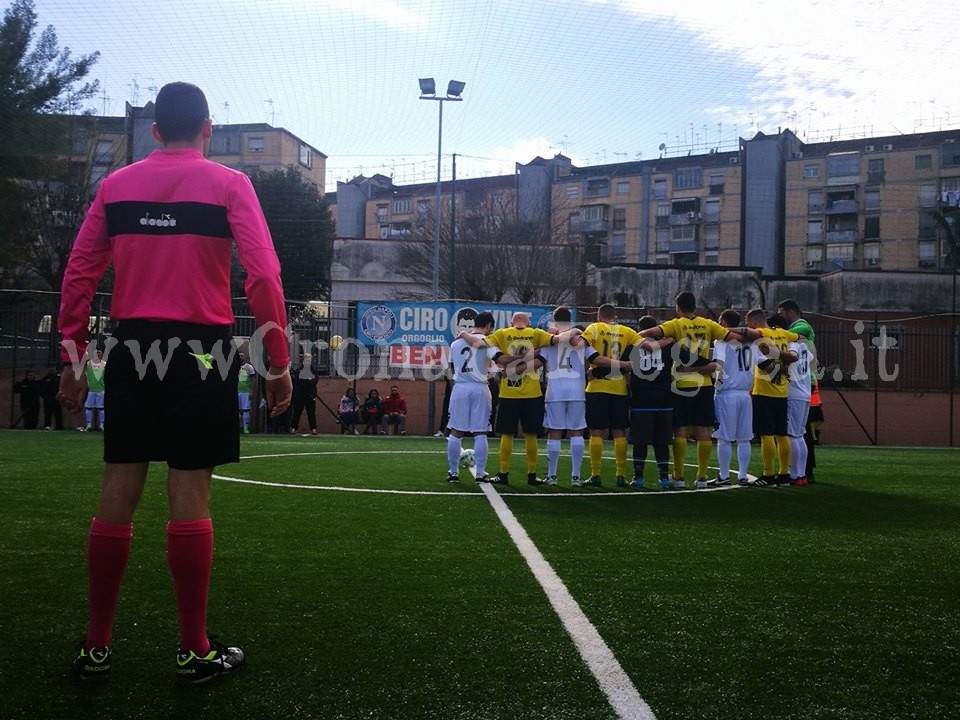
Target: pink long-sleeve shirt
(168,223)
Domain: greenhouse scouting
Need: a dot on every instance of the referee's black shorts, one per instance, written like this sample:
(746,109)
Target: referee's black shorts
(162,403)
(769,415)
(527,412)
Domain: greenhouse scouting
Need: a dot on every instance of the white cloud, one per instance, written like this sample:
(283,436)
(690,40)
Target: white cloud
(825,65)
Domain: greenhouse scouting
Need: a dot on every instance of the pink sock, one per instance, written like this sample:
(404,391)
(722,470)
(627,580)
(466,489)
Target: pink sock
(190,555)
(108,549)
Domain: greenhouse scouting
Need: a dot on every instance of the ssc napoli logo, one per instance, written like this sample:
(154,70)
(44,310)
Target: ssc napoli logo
(378,323)
(545,321)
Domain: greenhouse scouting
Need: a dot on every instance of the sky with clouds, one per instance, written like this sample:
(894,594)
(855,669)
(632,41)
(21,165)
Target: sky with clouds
(600,80)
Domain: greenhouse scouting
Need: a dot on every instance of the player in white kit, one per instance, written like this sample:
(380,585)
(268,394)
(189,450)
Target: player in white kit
(798,406)
(470,403)
(732,404)
(565,401)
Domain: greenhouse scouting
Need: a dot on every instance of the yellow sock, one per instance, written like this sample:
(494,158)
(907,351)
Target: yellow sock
(679,455)
(596,454)
(506,449)
(620,453)
(530,443)
(783,453)
(768,451)
(703,457)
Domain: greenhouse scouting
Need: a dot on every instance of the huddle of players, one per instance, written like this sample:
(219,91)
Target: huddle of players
(658,381)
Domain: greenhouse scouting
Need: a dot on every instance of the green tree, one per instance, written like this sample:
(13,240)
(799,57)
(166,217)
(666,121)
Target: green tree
(302,229)
(37,80)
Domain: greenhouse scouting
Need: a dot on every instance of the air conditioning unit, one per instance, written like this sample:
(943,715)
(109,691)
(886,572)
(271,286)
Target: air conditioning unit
(734,160)
(873,261)
(691,215)
(888,147)
(869,148)
(812,263)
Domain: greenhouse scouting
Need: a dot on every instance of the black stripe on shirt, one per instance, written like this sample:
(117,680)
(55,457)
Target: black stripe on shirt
(177,218)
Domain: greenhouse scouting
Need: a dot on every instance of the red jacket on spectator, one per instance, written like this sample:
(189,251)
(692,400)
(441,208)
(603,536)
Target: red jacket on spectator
(395,404)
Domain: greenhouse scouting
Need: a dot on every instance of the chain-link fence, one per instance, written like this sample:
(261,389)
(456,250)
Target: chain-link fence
(884,380)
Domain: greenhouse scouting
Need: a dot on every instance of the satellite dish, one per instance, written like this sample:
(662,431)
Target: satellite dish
(663,146)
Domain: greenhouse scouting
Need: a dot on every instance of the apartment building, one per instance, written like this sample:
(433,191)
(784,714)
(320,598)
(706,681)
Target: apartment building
(870,204)
(244,146)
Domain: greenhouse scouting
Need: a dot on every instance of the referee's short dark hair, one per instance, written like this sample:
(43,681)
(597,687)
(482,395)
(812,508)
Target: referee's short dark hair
(180,111)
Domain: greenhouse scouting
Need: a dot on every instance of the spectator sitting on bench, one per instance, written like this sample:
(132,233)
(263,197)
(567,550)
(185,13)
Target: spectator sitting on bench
(394,412)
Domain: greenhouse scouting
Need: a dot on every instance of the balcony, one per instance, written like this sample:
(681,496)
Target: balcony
(711,217)
(591,227)
(683,246)
(841,236)
(841,207)
(686,218)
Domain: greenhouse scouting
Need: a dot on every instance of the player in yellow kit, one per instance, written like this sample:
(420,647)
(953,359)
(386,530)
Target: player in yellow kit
(607,402)
(693,410)
(770,382)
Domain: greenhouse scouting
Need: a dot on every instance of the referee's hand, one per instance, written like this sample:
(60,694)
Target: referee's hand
(279,390)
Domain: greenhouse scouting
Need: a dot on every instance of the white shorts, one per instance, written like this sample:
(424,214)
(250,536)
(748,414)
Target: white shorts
(243,401)
(565,415)
(797,411)
(94,400)
(470,407)
(734,411)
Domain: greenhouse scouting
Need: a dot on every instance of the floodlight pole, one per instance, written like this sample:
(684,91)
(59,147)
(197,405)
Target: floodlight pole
(428,92)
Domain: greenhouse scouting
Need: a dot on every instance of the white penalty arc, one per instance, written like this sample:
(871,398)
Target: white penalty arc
(585,493)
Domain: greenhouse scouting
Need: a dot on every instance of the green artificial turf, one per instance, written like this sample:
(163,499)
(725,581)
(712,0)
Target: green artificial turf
(838,600)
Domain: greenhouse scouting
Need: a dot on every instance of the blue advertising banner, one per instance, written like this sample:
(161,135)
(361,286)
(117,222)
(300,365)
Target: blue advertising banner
(429,323)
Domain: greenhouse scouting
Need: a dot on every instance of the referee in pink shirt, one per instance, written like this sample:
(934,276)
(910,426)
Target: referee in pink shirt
(168,223)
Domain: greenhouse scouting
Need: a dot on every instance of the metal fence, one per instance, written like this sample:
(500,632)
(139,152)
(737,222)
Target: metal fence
(880,355)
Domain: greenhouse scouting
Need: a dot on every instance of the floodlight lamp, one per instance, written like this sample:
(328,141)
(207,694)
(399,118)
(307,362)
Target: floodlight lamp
(454,88)
(428,86)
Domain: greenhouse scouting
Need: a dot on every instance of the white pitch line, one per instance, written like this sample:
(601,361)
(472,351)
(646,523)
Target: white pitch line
(613,680)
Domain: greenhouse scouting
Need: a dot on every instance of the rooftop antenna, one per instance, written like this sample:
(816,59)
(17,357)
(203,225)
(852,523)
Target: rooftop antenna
(136,92)
(105,100)
(663,149)
(273,112)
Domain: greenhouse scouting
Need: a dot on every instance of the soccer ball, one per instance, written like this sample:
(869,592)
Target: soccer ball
(467,459)
(336,342)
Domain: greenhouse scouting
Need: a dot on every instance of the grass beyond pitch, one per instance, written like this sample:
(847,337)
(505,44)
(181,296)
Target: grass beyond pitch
(833,601)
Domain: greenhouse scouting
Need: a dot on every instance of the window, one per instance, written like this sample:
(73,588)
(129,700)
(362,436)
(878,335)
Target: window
(951,184)
(306,156)
(684,232)
(927,229)
(623,187)
(871,200)
(619,218)
(950,155)
(572,191)
(716,184)
(402,230)
(593,212)
(711,237)
(662,259)
(927,196)
(663,240)
(843,165)
(814,258)
(80,141)
(687,178)
(871,227)
(402,205)
(811,171)
(875,171)
(423,209)
(104,154)
(618,246)
(574,222)
(663,214)
(598,187)
(711,258)
(814,231)
(497,199)
(711,210)
(871,255)
(927,254)
(255,144)
(660,189)
(923,162)
(382,213)
(98,173)
(226,145)
(814,202)
(840,254)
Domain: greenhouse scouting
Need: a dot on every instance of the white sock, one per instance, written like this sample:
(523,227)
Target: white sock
(480,449)
(743,458)
(724,453)
(798,457)
(576,454)
(553,456)
(453,453)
